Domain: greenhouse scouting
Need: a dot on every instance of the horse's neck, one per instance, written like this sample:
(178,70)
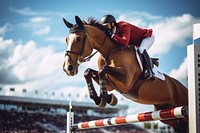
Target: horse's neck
(100,41)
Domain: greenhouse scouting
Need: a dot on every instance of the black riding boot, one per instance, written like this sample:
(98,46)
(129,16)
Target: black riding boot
(149,74)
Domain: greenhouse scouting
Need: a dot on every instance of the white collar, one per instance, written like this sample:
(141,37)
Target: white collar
(114,29)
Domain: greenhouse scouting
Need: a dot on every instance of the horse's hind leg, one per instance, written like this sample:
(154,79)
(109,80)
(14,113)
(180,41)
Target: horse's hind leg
(179,125)
(89,74)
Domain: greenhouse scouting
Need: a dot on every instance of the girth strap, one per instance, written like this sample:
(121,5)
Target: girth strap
(133,92)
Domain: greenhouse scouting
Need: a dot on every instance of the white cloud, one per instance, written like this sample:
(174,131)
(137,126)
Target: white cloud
(39,19)
(27,62)
(26,11)
(42,31)
(38,25)
(6,48)
(139,18)
(30,63)
(56,39)
(171,32)
(4,29)
(181,72)
(27,66)
(6,52)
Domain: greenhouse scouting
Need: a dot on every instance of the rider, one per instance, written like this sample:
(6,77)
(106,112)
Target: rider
(125,33)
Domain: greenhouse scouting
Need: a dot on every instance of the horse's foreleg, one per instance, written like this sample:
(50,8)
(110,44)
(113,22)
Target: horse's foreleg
(109,98)
(89,74)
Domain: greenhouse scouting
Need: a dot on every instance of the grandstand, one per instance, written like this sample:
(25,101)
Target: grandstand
(25,114)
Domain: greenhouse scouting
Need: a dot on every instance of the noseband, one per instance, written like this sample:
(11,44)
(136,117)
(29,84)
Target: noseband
(67,53)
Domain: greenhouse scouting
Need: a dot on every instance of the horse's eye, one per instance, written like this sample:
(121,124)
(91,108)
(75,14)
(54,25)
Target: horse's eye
(78,39)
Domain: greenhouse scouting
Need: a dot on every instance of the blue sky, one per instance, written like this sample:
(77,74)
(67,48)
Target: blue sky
(32,40)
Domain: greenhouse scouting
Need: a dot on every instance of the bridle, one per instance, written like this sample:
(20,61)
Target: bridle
(80,58)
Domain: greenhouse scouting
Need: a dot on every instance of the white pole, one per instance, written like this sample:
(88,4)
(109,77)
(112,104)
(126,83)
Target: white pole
(193,55)
(193,85)
(152,126)
(158,129)
(70,118)
(70,121)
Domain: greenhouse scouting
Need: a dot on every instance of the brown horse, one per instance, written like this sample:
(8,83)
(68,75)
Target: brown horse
(119,70)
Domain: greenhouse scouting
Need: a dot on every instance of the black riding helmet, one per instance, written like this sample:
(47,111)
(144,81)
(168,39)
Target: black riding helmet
(108,19)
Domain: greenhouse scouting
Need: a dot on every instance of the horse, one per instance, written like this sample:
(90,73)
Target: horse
(119,70)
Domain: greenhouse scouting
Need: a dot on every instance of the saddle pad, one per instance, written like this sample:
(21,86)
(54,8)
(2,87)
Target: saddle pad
(158,74)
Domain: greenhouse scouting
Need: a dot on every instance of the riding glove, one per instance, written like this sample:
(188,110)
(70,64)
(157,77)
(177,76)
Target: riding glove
(109,33)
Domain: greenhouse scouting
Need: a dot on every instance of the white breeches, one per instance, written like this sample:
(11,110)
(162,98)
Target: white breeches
(146,43)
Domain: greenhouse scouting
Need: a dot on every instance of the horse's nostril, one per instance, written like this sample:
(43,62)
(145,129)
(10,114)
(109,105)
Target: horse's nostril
(70,68)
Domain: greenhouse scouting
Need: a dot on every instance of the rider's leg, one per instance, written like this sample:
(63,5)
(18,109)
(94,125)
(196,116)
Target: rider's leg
(149,65)
(145,45)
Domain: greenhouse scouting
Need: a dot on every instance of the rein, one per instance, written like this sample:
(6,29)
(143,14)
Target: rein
(89,57)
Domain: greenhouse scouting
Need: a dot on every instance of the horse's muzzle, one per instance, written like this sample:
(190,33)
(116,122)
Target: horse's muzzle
(70,69)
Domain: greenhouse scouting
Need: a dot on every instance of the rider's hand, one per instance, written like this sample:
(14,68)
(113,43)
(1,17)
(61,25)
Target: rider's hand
(109,33)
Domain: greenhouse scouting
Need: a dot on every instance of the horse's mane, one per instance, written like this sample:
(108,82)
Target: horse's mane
(94,22)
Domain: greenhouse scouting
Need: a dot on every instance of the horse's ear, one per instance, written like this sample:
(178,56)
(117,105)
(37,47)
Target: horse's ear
(68,24)
(78,20)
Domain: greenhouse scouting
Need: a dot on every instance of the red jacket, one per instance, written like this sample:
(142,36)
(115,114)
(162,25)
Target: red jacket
(130,34)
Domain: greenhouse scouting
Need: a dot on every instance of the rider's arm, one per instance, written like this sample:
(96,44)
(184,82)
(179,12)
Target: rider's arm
(124,39)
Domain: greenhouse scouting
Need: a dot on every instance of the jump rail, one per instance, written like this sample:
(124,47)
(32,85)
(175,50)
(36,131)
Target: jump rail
(174,113)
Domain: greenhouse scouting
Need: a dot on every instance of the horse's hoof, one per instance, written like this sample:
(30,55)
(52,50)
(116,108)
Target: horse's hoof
(114,100)
(102,103)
